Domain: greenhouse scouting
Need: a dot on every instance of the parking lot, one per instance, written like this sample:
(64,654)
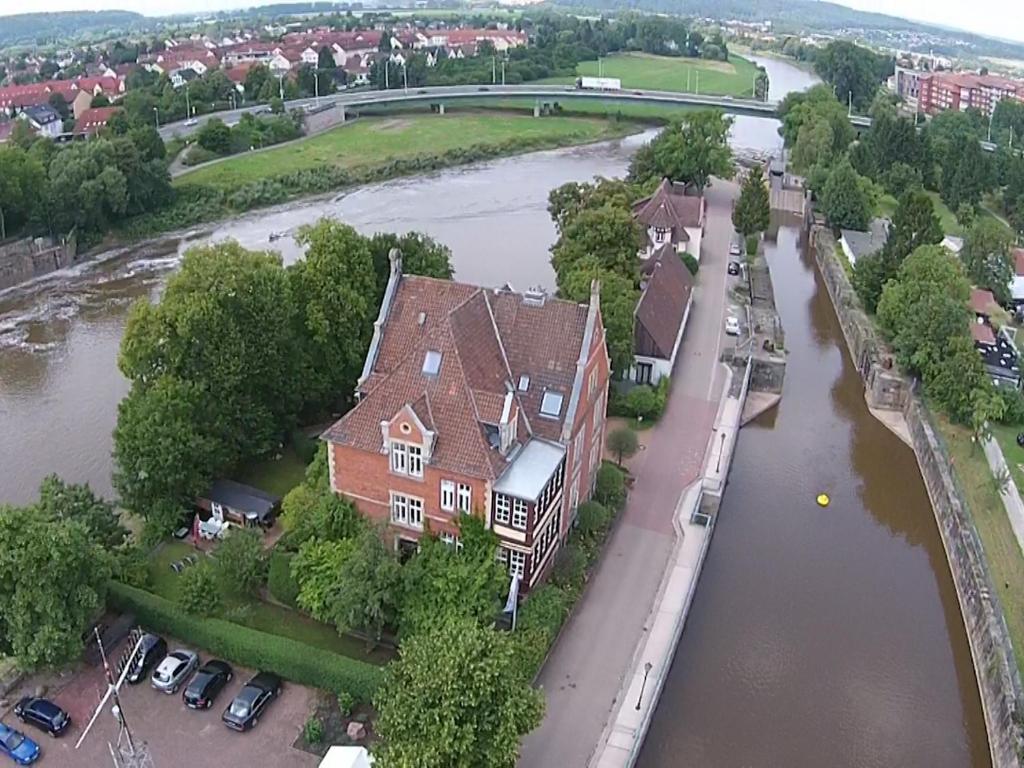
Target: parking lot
(175,735)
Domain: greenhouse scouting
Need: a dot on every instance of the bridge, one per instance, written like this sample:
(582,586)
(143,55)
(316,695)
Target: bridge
(540,94)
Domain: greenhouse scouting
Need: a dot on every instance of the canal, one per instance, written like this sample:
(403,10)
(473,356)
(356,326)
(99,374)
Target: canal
(817,637)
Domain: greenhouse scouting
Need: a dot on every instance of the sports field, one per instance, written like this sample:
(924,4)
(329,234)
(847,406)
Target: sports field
(671,73)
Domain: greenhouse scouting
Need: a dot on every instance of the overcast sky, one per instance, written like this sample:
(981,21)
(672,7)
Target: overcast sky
(998,18)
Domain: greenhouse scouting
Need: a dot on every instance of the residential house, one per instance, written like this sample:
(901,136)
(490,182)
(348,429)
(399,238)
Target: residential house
(998,352)
(660,316)
(1017,283)
(982,303)
(44,119)
(476,401)
(238,73)
(92,120)
(939,91)
(673,214)
(357,71)
(182,77)
(240,504)
(857,244)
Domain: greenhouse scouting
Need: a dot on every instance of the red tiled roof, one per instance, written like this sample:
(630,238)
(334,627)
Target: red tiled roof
(238,72)
(1018,261)
(982,301)
(93,119)
(982,333)
(108,85)
(670,208)
(662,305)
(487,340)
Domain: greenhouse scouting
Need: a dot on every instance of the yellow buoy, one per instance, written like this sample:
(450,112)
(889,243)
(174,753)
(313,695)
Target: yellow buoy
(823,500)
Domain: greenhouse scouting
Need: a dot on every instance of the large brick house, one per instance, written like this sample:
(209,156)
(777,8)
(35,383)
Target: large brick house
(481,401)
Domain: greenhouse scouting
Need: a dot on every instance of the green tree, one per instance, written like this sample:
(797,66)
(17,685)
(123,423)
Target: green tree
(813,144)
(608,237)
(334,288)
(566,201)
(442,582)
(690,150)
(22,178)
(149,143)
(370,581)
(215,137)
(914,224)
(959,374)
(63,501)
(316,570)
(456,698)
(801,107)
(199,590)
(421,255)
(241,561)
(313,512)
(623,443)
(752,213)
(53,579)
(610,488)
(255,79)
(844,199)
(165,449)
(987,257)
(854,72)
(618,297)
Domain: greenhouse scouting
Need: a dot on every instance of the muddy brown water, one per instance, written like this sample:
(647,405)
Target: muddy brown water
(816,638)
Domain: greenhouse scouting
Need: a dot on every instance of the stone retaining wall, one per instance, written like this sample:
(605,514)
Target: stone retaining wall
(991,650)
(23,260)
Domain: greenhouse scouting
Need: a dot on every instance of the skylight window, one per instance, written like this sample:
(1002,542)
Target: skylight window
(431,363)
(524,383)
(551,404)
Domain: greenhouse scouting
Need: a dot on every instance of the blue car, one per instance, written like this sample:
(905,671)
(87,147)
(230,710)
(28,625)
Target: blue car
(17,746)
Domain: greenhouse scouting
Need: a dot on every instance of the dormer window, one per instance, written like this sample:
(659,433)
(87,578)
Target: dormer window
(551,404)
(659,234)
(431,363)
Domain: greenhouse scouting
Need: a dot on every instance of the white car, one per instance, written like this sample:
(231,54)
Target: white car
(732,326)
(191,121)
(735,248)
(174,670)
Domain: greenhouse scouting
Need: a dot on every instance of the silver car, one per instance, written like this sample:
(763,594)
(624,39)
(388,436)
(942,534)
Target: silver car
(174,670)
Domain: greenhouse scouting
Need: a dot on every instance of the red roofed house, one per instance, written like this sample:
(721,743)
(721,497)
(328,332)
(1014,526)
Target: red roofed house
(1017,283)
(982,302)
(90,121)
(660,316)
(479,401)
(673,214)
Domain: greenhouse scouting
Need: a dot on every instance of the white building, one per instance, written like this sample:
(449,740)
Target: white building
(673,214)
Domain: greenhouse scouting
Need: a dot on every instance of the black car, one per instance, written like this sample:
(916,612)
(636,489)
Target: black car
(734,268)
(43,714)
(152,650)
(207,683)
(244,712)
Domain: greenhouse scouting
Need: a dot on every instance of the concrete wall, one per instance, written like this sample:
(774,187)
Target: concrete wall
(23,260)
(991,650)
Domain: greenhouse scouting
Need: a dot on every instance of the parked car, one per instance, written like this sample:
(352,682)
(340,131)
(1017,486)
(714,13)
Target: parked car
(152,650)
(735,247)
(43,714)
(174,670)
(207,683)
(244,712)
(17,746)
(734,268)
(732,326)
(191,121)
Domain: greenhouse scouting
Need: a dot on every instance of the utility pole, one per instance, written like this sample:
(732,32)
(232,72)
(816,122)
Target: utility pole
(503,72)
(405,77)
(494,73)
(316,85)
(387,71)
(849,95)
(188,107)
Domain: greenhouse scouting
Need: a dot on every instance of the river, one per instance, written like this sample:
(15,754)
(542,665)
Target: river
(817,637)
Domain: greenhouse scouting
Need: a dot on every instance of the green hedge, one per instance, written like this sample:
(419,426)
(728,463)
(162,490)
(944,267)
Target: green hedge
(288,658)
(282,586)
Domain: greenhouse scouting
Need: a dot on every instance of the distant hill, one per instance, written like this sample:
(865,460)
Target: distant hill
(789,15)
(36,28)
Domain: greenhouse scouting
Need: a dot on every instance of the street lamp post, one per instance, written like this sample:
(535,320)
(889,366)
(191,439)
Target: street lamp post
(156,111)
(405,77)
(721,450)
(503,72)
(647,670)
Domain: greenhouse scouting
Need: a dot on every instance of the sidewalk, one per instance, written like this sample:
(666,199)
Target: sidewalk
(1009,492)
(586,669)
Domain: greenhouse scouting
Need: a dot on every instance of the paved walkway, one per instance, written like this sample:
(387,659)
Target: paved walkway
(1009,492)
(585,671)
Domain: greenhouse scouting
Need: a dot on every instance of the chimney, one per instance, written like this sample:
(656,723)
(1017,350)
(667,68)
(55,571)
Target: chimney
(595,293)
(395,257)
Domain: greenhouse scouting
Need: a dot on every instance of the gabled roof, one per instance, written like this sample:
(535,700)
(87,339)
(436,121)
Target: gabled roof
(1018,261)
(982,301)
(487,340)
(982,333)
(666,294)
(91,120)
(42,114)
(670,207)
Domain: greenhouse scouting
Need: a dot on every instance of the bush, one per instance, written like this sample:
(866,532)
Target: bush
(346,703)
(752,242)
(241,562)
(610,488)
(691,263)
(313,730)
(198,155)
(570,567)
(199,591)
(642,402)
(1013,399)
(623,443)
(593,520)
(247,647)
(131,565)
(305,446)
(280,583)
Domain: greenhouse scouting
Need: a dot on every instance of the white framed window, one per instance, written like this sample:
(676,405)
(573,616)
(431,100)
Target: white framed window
(516,563)
(448,495)
(598,413)
(520,512)
(502,509)
(406,459)
(407,510)
(451,540)
(465,498)
(574,494)
(577,448)
(595,453)
(592,382)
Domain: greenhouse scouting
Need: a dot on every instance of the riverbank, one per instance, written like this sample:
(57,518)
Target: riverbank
(369,150)
(995,665)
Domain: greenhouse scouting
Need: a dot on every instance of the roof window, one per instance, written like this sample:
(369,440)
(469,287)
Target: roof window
(551,404)
(524,383)
(431,363)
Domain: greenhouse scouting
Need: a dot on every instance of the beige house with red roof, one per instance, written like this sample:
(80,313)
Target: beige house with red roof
(674,215)
(1017,283)
(659,319)
(476,401)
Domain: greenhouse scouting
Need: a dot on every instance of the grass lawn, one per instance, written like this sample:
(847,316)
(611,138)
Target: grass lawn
(673,73)
(887,208)
(1005,561)
(260,615)
(1013,453)
(275,476)
(372,141)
